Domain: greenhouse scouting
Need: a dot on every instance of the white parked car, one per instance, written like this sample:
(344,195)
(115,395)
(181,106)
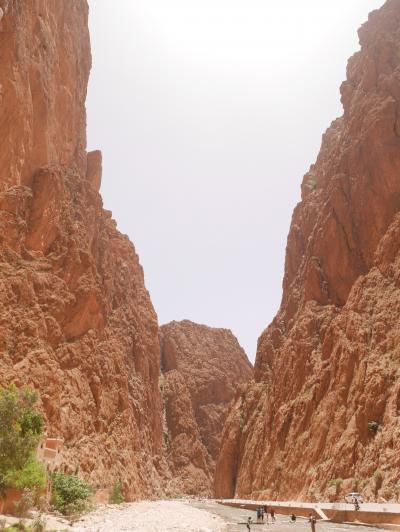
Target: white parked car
(354,496)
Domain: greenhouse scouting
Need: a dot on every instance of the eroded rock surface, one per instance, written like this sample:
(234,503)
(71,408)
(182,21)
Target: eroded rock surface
(329,364)
(76,321)
(202,367)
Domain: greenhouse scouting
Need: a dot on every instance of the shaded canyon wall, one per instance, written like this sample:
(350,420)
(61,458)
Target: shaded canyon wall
(201,369)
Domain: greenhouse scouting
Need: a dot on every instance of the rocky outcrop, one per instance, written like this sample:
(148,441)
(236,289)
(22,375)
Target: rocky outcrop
(323,416)
(76,321)
(201,370)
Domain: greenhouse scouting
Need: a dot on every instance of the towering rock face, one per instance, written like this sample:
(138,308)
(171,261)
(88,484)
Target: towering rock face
(76,321)
(201,370)
(324,413)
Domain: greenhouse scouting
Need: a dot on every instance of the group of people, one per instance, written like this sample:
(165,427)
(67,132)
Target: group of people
(262,511)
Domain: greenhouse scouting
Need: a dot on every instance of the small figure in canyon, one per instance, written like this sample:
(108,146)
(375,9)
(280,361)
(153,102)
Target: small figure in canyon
(266,511)
(259,515)
(293,518)
(262,514)
(356,505)
(312,521)
(272,512)
(248,523)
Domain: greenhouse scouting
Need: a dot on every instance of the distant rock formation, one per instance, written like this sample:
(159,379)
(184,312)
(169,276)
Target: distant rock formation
(323,416)
(76,320)
(202,368)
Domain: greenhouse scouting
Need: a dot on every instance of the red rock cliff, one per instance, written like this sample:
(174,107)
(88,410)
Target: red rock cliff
(329,364)
(76,321)
(202,368)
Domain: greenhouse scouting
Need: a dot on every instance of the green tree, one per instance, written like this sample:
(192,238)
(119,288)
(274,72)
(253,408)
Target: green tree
(21,427)
(31,476)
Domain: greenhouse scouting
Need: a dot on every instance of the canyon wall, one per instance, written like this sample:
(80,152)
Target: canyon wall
(201,369)
(76,321)
(323,416)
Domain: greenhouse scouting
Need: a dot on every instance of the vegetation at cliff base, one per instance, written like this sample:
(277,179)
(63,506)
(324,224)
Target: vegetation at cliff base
(21,427)
(116,496)
(31,476)
(70,494)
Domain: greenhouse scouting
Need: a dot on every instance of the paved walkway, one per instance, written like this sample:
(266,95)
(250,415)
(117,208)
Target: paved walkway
(234,516)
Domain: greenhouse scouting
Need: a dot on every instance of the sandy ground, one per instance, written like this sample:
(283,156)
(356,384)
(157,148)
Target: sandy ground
(161,516)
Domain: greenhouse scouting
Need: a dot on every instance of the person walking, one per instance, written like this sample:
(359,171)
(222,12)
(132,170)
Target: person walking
(272,512)
(266,512)
(262,514)
(248,523)
(312,521)
(259,515)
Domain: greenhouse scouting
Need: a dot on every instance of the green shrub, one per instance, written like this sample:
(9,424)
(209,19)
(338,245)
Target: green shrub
(70,494)
(116,496)
(31,476)
(337,484)
(21,427)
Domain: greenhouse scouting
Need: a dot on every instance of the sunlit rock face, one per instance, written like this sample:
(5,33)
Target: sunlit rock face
(202,368)
(76,320)
(330,361)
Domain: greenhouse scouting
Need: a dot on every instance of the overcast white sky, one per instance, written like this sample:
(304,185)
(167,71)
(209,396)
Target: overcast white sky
(208,114)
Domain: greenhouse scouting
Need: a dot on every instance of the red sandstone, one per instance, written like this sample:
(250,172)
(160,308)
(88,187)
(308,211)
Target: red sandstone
(76,320)
(329,363)
(202,368)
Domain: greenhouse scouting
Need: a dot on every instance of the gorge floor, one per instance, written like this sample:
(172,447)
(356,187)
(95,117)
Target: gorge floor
(191,516)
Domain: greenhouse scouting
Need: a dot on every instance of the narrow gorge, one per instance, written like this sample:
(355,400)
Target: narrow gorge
(202,367)
(177,410)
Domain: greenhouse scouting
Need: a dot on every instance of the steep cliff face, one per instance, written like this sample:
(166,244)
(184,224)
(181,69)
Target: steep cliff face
(76,321)
(201,370)
(329,364)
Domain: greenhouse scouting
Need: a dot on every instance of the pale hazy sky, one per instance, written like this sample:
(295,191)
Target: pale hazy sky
(208,113)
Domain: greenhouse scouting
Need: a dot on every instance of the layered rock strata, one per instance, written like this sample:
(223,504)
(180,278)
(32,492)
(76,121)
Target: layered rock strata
(76,321)
(201,369)
(323,416)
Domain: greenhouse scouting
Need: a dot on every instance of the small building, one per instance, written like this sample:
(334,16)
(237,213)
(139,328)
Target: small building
(49,453)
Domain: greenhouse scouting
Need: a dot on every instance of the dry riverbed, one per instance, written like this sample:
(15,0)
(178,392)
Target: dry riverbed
(185,516)
(160,516)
